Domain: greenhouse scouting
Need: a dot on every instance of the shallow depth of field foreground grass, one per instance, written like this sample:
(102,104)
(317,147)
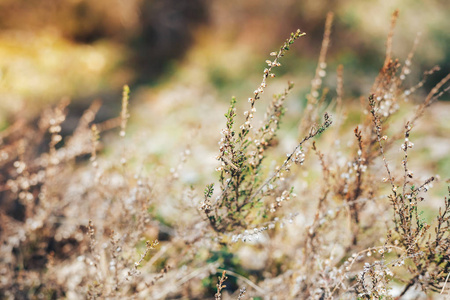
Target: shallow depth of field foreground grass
(272,197)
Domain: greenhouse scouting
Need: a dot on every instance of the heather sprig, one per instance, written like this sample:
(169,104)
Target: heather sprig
(242,154)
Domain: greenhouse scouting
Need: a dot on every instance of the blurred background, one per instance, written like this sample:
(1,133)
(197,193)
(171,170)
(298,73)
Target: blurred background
(87,50)
(185,59)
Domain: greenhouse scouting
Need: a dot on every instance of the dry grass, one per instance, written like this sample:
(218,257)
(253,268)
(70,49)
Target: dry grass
(340,217)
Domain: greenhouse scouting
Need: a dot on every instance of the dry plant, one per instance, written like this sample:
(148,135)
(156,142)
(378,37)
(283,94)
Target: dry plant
(77,223)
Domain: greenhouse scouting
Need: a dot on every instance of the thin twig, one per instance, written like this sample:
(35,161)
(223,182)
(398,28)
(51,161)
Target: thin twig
(445,283)
(248,281)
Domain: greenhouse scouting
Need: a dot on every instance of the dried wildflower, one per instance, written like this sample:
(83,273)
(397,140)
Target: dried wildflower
(124,113)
